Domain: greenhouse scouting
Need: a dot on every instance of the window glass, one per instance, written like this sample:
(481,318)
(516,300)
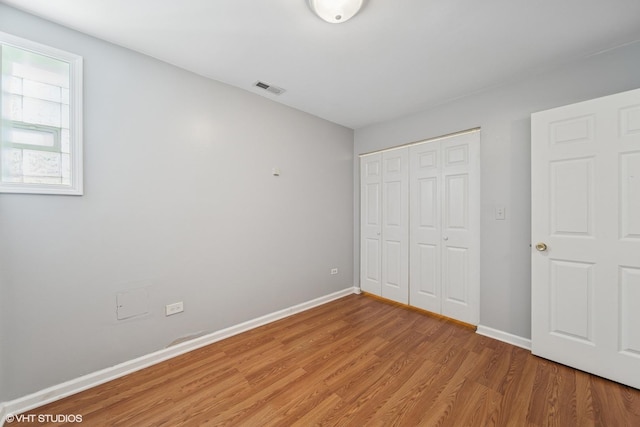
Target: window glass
(41,145)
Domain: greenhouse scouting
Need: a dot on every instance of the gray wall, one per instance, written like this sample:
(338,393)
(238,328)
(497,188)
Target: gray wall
(504,115)
(180,200)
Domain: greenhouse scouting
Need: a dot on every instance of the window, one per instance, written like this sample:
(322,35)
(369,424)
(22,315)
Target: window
(40,118)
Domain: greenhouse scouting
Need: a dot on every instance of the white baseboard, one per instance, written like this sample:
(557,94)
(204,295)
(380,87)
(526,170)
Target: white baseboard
(504,337)
(93,379)
(3,414)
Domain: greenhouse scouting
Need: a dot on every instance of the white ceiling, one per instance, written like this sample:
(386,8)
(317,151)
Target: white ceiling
(392,59)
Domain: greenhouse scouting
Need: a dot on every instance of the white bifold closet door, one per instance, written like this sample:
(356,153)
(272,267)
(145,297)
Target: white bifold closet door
(445,226)
(371,223)
(395,225)
(420,225)
(384,207)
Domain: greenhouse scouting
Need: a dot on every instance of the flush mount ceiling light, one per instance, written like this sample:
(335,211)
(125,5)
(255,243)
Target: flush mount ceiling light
(335,11)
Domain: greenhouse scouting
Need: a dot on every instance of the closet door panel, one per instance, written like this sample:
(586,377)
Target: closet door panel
(395,225)
(425,240)
(371,223)
(461,227)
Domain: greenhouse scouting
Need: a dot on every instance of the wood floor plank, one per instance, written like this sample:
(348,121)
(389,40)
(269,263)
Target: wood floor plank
(475,405)
(584,401)
(377,406)
(517,392)
(287,409)
(609,403)
(496,368)
(356,361)
(244,409)
(441,400)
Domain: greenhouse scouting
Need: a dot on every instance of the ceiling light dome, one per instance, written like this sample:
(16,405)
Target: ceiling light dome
(335,11)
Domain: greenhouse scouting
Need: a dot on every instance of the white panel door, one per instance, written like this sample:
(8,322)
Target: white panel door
(395,225)
(425,235)
(586,234)
(445,226)
(461,227)
(371,223)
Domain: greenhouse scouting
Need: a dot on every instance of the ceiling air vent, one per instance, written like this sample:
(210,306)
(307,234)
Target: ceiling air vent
(269,88)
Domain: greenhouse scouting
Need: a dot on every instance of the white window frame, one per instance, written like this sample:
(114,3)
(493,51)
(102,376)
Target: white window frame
(75,120)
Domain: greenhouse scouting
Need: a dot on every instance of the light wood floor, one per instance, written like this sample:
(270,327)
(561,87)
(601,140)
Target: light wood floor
(357,361)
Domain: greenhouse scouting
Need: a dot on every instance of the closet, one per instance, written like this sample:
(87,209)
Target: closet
(420,225)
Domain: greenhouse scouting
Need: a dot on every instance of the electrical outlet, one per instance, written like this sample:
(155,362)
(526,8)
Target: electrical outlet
(175,308)
(334,271)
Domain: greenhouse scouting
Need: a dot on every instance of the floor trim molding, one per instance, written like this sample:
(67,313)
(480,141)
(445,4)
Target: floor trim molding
(3,414)
(93,379)
(504,337)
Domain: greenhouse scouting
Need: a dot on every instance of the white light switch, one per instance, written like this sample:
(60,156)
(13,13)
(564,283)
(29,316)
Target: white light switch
(500,212)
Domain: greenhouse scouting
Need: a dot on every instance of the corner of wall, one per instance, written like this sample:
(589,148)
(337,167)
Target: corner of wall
(504,337)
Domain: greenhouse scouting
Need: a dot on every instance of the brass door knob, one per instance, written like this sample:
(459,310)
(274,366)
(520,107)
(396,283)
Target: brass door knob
(541,247)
